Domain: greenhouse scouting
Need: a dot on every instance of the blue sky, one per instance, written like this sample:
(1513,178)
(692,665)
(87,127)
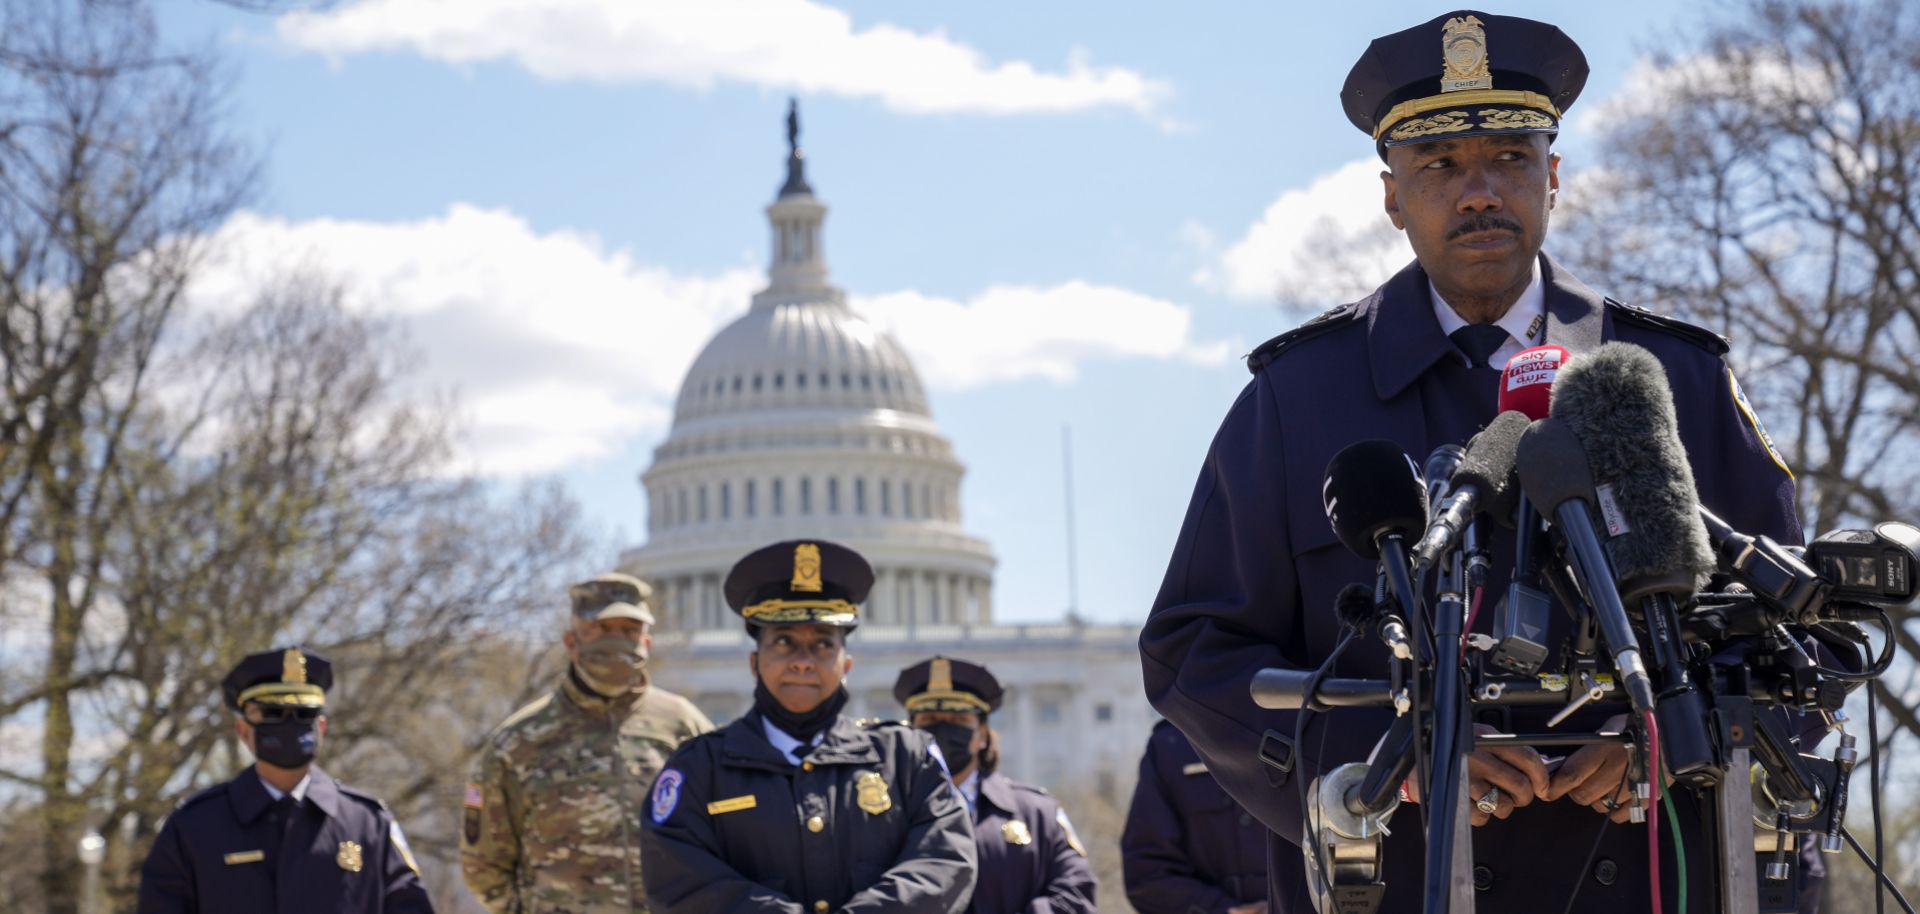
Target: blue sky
(562,199)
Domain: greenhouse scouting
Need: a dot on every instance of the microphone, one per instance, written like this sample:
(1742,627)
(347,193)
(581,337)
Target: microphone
(1374,498)
(1553,471)
(1480,485)
(1439,470)
(1526,383)
(1617,404)
(1520,621)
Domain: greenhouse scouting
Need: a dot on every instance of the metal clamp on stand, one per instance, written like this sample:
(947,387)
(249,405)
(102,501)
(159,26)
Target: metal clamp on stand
(1350,838)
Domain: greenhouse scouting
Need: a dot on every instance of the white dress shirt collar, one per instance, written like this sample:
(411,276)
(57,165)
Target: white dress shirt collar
(1525,322)
(785,743)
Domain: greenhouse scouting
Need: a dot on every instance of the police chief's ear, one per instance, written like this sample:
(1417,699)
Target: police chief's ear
(846,662)
(1553,178)
(753,663)
(1392,201)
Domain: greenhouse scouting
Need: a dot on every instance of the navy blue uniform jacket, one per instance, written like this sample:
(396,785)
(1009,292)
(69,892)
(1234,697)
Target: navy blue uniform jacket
(1031,862)
(1253,576)
(230,848)
(870,823)
(1188,848)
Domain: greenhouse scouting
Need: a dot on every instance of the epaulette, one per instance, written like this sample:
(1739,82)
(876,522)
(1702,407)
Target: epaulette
(364,797)
(1264,354)
(1031,788)
(217,790)
(1699,336)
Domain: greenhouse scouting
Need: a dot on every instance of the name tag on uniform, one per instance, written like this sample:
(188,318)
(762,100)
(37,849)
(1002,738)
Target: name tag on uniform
(1195,768)
(734,805)
(245,857)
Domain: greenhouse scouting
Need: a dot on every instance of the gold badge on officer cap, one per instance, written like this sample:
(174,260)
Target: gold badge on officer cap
(1463,55)
(293,666)
(806,568)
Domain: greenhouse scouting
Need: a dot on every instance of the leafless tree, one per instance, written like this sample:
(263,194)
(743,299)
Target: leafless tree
(181,485)
(1765,182)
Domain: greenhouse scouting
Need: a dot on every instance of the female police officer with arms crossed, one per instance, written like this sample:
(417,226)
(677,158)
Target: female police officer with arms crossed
(796,808)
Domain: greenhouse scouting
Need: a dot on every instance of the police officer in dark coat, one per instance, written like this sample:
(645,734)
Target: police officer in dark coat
(796,807)
(1471,179)
(1188,848)
(283,837)
(1031,862)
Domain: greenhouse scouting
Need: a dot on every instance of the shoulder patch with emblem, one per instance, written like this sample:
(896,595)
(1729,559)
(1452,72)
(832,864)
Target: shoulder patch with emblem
(1264,354)
(1753,418)
(1066,825)
(666,794)
(399,839)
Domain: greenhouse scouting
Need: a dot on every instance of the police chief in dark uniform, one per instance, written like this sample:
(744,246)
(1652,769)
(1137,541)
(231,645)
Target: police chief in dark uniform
(283,837)
(796,807)
(1188,848)
(1030,859)
(1462,109)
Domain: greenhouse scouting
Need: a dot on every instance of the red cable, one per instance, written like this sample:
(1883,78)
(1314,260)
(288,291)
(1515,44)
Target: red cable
(1473,612)
(1653,807)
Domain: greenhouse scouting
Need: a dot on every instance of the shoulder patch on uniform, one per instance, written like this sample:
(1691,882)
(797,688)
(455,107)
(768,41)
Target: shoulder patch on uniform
(1699,336)
(1264,354)
(399,840)
(1066,825)
(666,794)
(1753,419)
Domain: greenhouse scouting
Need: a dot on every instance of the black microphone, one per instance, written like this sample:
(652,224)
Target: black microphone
(1481,485)
(1374,499)
(1439,470)
(1553,471)
(1617,404)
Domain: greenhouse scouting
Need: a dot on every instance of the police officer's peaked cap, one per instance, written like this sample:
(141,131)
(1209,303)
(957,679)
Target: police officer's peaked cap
(947,684)
(612,596)
(1464,73)
(282,676)
(799,582)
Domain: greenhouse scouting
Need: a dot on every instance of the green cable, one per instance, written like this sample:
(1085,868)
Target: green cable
(1679,850)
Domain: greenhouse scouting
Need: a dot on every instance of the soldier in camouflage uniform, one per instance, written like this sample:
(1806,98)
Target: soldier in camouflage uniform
(552,820)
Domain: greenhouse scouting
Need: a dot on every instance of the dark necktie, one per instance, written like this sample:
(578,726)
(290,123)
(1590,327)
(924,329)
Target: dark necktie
(1479,342)
(799,753)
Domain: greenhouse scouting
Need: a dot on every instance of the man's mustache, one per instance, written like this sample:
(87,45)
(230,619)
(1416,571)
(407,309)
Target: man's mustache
(1483,222)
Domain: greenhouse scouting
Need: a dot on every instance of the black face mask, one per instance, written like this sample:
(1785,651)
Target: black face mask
(285,744)
(799,726)
(956,743)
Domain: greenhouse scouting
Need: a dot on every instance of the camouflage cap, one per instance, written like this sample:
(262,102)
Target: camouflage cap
(612,596)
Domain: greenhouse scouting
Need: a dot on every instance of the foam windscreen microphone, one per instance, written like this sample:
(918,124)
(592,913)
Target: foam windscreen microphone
(1372,490)
(1617,403)
(1553,471)
(1482,484)
(1526,384)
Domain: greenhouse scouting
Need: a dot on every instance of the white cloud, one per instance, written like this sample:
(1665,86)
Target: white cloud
(1011,332)
(788,45)
(562,350)
(559,348)
(1323,243)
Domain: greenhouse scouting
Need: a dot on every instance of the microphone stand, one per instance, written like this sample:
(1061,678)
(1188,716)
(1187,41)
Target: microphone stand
(1449,840)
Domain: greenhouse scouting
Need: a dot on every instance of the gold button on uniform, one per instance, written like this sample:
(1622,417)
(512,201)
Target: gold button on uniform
(815,824)
(820,906)
(806,766)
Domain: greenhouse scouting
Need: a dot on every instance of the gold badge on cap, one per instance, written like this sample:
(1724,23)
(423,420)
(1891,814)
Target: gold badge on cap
(293,666)
(349,857)
(806,568)
(1016,833)
(1463,54)
(872,793)
(940,677)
